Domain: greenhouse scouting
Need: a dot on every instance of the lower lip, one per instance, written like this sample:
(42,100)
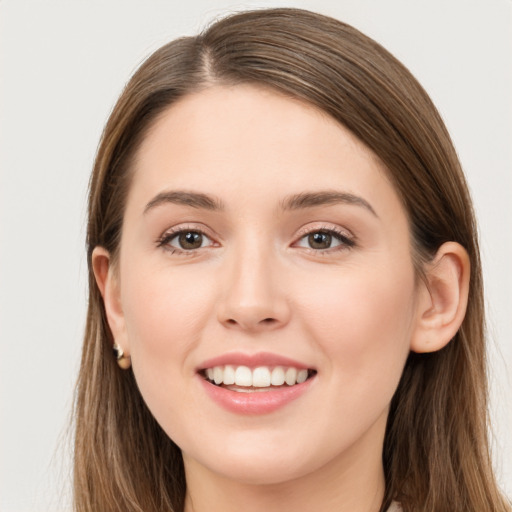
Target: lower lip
(257,402)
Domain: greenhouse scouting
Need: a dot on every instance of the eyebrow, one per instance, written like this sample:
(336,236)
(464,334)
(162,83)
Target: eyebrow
(294,202)
(193,199)
(325,197)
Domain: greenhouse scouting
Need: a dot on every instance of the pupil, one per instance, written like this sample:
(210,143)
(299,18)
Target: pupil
(320,240)
(191,240)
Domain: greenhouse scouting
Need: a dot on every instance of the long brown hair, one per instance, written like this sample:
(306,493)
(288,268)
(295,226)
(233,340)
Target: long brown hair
(436,454)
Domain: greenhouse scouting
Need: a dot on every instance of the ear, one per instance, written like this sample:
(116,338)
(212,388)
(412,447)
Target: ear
(442,299)
(108,284)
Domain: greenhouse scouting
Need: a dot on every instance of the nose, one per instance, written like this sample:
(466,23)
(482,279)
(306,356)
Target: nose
(254,292)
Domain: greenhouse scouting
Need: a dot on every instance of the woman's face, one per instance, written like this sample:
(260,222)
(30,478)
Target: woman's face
(262,242)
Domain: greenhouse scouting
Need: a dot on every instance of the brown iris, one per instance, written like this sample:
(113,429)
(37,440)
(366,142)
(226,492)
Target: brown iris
(320,240)
(190,240)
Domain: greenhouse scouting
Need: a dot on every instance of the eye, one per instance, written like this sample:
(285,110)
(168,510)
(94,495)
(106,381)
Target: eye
(185,240)
(324,239)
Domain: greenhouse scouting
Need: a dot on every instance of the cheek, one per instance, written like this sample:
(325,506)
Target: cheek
(165,311)
(363,319)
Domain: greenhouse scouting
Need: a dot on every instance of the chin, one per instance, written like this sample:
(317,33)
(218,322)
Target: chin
(261,472)
(253,462)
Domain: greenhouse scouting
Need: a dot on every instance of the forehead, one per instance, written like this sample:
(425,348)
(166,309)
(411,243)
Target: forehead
(251,113)
(244,139)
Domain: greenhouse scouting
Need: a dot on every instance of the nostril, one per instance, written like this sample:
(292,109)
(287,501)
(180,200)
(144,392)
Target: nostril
(250,322)
(264,321)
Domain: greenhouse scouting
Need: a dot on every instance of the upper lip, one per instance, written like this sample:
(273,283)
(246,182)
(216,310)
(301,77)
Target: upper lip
(252,361)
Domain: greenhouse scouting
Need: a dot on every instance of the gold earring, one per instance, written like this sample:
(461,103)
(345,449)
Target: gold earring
(123,361)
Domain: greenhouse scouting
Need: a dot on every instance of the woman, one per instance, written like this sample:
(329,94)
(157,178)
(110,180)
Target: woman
(283,256)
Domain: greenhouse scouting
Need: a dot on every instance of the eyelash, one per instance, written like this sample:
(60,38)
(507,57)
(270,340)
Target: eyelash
(168,236)
(346,242)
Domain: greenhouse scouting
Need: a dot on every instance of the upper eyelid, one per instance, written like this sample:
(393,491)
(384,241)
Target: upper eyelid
(200,228)
(308,229)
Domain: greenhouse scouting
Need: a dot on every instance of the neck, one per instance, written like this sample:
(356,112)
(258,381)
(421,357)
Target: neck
(353,482)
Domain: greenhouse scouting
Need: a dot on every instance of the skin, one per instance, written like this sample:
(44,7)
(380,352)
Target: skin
(352,311)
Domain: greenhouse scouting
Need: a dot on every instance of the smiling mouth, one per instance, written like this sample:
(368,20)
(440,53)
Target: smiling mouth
(243,379)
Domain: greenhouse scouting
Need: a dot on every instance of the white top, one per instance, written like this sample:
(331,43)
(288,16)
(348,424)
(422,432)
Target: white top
(395,507)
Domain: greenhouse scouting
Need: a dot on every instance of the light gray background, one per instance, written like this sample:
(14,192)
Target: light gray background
(62,65)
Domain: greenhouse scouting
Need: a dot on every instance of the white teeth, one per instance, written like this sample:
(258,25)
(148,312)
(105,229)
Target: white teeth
(302,375)
(218,375)
(260,377)
(229,375)
(243,376)
(277,378)
(290,376)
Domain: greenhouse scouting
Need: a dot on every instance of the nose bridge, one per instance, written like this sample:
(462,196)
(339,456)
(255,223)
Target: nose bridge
(254,297)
